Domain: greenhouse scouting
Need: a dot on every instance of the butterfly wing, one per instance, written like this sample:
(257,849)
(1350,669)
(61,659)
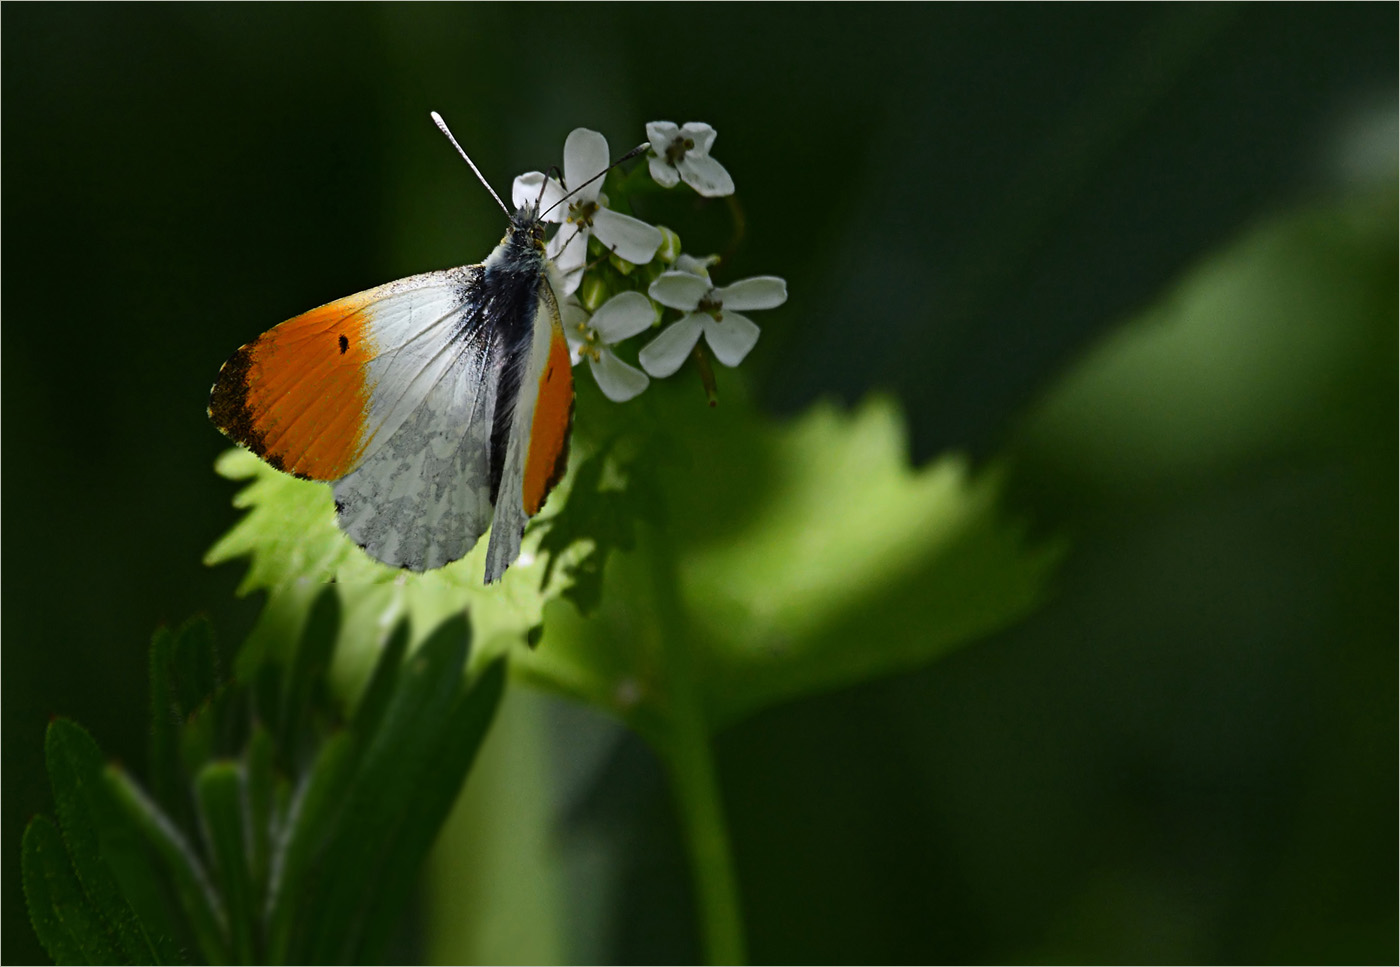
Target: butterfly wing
(389,393)
(317,394)
(422,498)
(485,446)
(537,449)
(433,403)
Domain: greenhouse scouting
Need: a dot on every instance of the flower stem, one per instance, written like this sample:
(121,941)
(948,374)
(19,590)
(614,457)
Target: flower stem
(690,764)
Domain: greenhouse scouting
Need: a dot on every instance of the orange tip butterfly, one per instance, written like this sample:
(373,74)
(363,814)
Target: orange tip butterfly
(436,406)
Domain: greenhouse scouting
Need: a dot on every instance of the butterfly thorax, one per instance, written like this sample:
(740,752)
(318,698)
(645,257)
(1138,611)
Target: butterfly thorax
(522,250)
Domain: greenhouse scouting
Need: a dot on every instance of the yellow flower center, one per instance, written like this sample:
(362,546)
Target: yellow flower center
(676,150)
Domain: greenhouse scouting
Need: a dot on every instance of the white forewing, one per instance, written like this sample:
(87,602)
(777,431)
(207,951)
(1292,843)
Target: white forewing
(420,496)
(421,499)
(415,321)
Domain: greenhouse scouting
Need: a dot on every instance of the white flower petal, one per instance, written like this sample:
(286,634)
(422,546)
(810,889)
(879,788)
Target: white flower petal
(585,155)
(618,381)
(631,238)
(700,267)
(661,134)
(664,354)
(568,264)
(623,316)
(575,321)
(760,292)
(572,315)
(731,338)
(525,190)
(679,290)
(662,173)
(568,248)
(702,134)
(705,175)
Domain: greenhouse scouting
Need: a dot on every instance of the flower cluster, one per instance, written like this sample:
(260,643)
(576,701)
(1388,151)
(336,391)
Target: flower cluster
(617,275)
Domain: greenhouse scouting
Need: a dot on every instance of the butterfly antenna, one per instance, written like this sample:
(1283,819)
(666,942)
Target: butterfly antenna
(639,149)
(442,126)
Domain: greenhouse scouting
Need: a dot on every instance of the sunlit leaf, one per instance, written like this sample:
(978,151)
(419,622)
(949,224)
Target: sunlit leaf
(292,544)
(807,557)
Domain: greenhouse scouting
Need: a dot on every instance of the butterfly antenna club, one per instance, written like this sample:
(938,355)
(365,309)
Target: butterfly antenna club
(442,126)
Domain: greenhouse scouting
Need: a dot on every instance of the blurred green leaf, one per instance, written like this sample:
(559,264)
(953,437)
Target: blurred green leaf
(219,794)
(164,745)
(809,556)
(70,929)
(1249,356)
(456,746)
(396,765)
(305,680)
(262,795)
(369,711)
(197,896)
(194,667)
(495,886)
(89,816)
(304,835)
(607,501)
(370,805)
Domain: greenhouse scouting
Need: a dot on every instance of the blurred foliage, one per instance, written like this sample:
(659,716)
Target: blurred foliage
(277,829)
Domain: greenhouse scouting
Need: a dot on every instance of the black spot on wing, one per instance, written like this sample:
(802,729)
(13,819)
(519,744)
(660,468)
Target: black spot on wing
(344,344)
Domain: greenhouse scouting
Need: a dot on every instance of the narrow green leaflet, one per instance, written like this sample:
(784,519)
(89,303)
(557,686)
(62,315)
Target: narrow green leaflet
(68,926)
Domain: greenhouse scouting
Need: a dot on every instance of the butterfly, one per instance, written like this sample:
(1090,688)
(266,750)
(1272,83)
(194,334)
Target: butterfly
(436,406)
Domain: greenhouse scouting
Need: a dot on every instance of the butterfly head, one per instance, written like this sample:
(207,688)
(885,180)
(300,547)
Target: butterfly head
(525,224)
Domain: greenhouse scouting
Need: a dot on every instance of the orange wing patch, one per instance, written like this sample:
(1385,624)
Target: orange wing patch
(297,397)
(549,432)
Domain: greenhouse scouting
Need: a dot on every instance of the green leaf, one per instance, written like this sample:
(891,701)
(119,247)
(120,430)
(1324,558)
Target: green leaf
(67,925)
(194,666)
(399,764)
(219,795)
(293,545)
(305,681)
(304,834)
(811,556)
(165,719)
(608,501)
(197,897)
(98,836)
(369,710)
(262,809)
(440,782)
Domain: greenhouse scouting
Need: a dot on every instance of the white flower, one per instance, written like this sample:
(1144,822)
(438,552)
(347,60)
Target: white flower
(621,317)
(585,213)
(683,153)
(708,310)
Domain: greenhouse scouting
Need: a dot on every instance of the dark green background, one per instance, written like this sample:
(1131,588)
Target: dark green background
(1190,754)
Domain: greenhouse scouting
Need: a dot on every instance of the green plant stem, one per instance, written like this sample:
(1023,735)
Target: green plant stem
(690,764)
